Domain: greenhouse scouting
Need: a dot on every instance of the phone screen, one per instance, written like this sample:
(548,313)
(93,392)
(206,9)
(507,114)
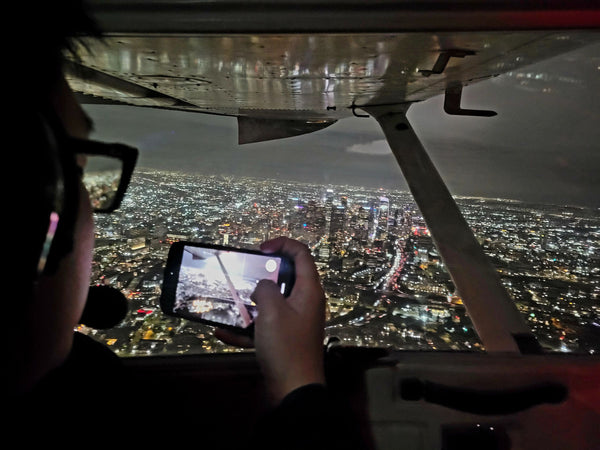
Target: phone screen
(214,284)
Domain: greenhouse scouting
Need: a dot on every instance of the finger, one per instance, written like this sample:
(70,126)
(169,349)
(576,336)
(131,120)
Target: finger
(232,338)
(296,250)
(267,297)
(307,284)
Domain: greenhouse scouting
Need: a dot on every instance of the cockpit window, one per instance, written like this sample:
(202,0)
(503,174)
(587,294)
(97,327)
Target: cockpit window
(525,180)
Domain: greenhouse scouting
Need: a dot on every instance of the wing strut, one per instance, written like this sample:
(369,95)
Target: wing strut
(493,313)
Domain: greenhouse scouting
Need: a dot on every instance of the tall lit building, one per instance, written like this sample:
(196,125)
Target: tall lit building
(383,216)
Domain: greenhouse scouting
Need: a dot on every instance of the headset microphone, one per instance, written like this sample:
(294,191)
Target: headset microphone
(105,307)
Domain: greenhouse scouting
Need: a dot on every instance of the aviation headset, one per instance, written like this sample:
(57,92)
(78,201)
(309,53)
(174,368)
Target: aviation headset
(54,197)
(47,203)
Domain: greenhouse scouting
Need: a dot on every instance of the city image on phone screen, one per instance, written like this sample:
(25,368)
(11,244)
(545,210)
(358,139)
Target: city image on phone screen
(215,285)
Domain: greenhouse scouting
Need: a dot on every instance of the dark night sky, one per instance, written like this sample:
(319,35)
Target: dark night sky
(542,146)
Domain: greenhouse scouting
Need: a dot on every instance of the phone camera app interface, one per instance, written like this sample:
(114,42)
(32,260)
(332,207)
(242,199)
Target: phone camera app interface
(216,284)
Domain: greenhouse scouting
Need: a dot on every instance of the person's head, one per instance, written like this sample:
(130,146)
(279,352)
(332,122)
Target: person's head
(52,256)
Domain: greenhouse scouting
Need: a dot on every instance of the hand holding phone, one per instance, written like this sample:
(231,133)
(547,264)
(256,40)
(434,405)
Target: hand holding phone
(289,331)
(213,284)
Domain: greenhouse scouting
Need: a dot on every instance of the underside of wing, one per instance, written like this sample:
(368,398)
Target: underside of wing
(299,75)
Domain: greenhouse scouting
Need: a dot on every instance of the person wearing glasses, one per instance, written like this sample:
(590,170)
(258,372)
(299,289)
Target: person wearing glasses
(67,177)
(71,177)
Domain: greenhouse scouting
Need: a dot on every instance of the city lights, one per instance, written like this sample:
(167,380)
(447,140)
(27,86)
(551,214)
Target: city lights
(385,282)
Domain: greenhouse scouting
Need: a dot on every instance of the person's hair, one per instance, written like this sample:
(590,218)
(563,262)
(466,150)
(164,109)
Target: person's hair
(50,31)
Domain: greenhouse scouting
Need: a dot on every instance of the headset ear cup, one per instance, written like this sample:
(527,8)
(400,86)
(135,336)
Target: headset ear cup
(36,194)
(51,196)
(66,202)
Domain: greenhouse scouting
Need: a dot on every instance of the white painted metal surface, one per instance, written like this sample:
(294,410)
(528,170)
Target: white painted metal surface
(300,76)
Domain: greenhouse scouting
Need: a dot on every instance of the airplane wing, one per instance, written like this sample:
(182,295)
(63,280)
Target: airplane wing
(285,69)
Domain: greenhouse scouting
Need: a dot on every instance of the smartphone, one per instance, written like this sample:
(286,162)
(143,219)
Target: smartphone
(212,284)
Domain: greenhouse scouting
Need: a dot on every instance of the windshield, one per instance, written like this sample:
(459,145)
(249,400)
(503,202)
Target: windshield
(526,182)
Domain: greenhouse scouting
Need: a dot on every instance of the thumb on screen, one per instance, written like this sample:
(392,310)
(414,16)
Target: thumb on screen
(266,296)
